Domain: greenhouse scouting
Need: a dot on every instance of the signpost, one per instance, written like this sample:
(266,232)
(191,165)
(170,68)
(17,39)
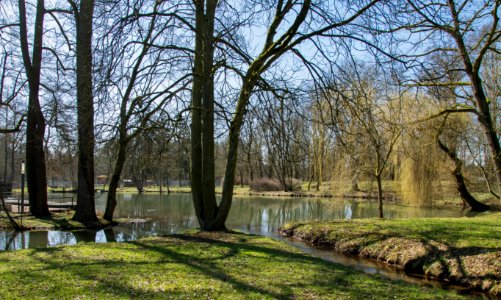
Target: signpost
(22,189)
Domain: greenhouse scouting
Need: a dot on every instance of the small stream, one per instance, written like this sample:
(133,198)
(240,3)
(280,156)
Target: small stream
(156,215)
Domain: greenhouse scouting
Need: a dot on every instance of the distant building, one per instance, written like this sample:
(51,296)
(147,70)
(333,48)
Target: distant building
(101,179)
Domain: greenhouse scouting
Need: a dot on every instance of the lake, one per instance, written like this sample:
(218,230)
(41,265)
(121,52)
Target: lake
(155,214)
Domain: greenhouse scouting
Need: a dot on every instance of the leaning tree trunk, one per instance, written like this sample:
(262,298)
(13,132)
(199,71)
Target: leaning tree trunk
(86,208)
(35,128)
(12,221)
(234,138)
(111,201)
(460,184)
(483,110)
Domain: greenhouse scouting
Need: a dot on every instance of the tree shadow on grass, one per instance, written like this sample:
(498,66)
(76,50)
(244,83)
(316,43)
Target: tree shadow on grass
(209,267)
(83,270)
(325,277)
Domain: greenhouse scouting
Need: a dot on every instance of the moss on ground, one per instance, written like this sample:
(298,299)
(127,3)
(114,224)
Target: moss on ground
(196,265)
(466,251)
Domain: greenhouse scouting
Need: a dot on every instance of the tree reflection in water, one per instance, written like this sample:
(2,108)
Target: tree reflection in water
(155,214)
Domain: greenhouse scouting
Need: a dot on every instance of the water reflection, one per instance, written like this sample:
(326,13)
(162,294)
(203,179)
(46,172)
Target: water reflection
(154,214)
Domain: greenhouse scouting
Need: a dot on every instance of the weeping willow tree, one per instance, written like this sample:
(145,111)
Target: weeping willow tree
(434,149)
(418,174)
(418,178)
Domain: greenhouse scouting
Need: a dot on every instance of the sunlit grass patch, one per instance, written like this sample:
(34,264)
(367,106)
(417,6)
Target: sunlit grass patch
(194,265)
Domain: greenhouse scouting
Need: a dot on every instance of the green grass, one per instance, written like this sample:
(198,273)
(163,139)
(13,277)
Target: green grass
(192,266)
(463,250)
(481,231)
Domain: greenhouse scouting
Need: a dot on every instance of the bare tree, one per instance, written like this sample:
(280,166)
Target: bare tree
(138,70)
(85,210)
(447,28)
(284,32)
(365,119)
(35,155)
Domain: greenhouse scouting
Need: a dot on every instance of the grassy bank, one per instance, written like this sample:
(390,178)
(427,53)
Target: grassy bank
(465,251)
(196,265)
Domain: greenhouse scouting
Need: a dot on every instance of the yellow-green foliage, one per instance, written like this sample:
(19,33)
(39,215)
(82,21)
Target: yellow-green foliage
(423,165)
(416,181)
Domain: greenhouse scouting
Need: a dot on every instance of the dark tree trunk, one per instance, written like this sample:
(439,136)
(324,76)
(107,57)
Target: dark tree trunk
(460,184)
(202,127)
(473,69)
(35,128)
(111,201)
(110,235)
(211,216)
(85,209)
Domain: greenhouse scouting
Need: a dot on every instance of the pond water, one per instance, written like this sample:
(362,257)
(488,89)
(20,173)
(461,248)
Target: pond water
(155,214)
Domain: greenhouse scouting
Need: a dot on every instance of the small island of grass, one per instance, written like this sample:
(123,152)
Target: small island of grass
(465,251)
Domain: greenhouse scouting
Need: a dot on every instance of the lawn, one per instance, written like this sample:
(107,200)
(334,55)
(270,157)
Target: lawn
(193,265)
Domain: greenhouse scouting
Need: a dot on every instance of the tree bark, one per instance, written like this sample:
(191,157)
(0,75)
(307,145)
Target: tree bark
(35,129)
(196,119)
(111,200)
(85,209)
(458,176)
(208,168)
(472,69)
(202,114)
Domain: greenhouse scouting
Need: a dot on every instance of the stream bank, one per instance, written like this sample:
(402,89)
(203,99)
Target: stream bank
(462,251)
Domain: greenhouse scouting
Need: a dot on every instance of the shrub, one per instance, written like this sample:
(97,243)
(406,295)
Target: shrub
(265,185)
(272,185)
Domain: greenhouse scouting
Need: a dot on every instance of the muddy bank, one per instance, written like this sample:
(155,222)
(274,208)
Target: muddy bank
(464,262)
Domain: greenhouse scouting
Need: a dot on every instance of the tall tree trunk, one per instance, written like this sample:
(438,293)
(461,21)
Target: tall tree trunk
(202,114)
(196,119)
(458,176)
(86,208)
(111,200)
(208,168)
(35,128)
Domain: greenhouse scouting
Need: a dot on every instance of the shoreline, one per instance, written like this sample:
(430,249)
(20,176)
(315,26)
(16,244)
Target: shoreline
(424,247)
